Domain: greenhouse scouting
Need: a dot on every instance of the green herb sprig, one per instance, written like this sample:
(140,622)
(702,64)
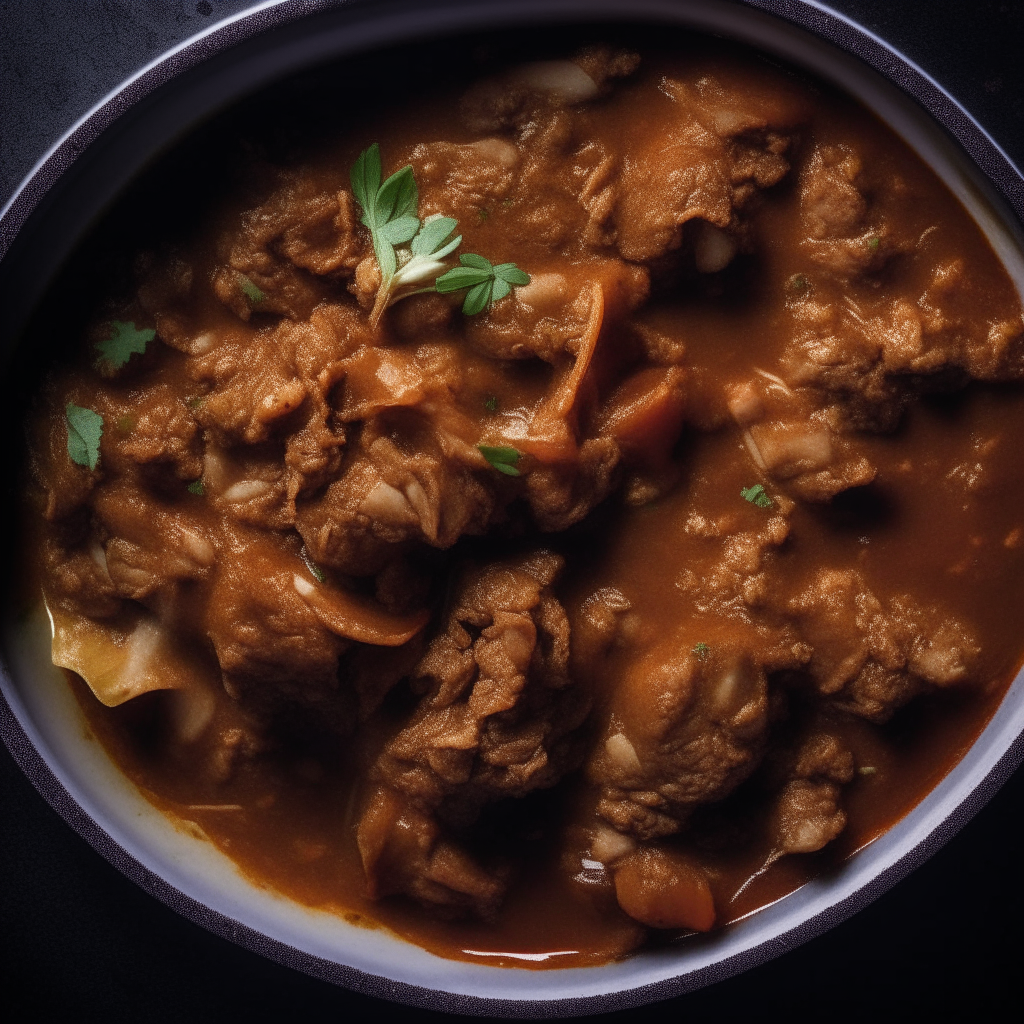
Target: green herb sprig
(483,282)
(756,496)
(85,428)
(390,212)
(126,340)
(701,651)
(504,460)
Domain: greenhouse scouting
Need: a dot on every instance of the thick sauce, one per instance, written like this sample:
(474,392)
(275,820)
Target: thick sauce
(764,541)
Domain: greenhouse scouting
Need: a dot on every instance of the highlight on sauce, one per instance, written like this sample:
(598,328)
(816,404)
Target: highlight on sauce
(564,509)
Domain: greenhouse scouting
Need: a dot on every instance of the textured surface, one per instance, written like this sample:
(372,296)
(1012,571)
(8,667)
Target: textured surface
(81,939)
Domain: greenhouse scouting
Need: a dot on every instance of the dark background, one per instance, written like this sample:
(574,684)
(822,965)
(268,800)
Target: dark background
(78,939)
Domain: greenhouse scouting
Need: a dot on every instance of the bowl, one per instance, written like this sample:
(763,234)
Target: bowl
(40,721)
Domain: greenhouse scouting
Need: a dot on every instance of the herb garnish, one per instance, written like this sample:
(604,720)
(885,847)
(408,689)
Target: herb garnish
(314,570)
(197,488)
(252,293)
(85,428)
(485,283)
(701,651)
(504,460)
(874,244)
(125,341)
(756,496)
(491,405)
(390,212)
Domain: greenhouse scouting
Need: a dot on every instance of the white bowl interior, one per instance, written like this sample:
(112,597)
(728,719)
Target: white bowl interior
(50,717)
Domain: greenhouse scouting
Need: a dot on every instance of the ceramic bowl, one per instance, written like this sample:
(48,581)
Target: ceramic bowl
(40,720)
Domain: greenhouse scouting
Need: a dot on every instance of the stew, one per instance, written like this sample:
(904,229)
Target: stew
(569,512)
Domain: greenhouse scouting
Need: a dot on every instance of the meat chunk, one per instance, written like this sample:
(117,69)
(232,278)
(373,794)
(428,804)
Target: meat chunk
(868,361)
(274,256)
(500,714)
(807,815)
(841,236)
(794,442)
(499,718)
(404,850)
(398,486)
(682,731)
(722,151)
(870,658)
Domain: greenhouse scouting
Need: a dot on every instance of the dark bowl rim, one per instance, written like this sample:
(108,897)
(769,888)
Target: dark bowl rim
(17,216)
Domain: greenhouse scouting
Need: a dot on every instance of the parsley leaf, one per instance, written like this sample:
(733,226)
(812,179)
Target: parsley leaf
(701,651)
(126,339)
(85,428)
(197,488)
(482,282)
(756,496)
(504,460)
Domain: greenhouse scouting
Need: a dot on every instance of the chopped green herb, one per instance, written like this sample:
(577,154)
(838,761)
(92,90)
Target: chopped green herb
(507,203)
(867,770)
(504,460)
(125,341)
(197,488)
(756,496)
(252,293)
(126,423)
(482,282)
(491,405)
(798,284)
(85,428)
(874,244)
(314,570)
(195,402)
(701,651)
(482,214)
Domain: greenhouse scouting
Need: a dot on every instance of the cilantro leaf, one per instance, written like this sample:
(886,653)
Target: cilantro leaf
(85,428)
(484,283)
(491,405)
(126,340)
(701,651)
(504,460)
(197,487)
(756,496)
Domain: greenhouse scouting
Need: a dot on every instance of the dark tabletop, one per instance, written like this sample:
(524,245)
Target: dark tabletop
(80,940)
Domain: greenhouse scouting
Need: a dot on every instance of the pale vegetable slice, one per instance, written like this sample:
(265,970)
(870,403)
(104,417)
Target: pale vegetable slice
(550,438)
(119,664)
(348,616)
